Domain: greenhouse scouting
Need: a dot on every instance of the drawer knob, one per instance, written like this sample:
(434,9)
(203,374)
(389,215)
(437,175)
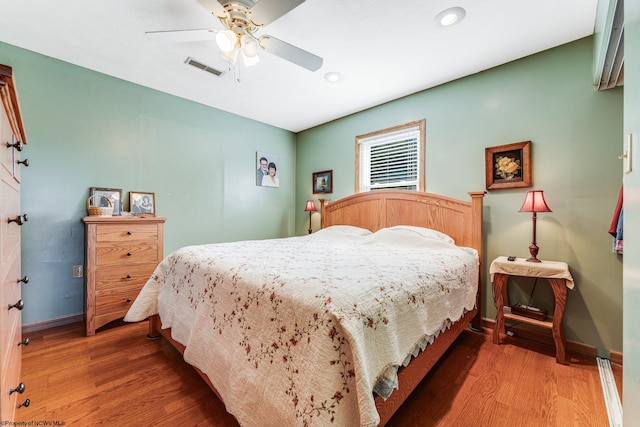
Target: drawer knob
(25,341)
(26,404)
(19,389)
(128,233)
(24,162)
(17,145)
(129,254)
(25,279)
(19,305)
(19,219)
(128,276)
(128,300)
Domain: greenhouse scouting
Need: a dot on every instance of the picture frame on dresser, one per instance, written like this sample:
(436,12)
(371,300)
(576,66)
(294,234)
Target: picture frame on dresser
(113,194)
(142,203)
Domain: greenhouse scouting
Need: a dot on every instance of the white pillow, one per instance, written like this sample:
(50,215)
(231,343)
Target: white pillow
(425,232)
(342,231)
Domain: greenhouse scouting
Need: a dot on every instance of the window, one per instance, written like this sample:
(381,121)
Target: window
(391,158)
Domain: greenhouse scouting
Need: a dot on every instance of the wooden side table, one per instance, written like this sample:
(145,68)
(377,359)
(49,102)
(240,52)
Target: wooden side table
(559,278)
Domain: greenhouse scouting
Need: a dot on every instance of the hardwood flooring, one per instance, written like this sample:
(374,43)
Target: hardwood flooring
(119,378)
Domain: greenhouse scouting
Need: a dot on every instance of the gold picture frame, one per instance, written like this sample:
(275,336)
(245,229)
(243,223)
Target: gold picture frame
(142,203)
(508,166)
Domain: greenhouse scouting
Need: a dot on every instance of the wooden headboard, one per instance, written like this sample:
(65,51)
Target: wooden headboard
(462,220)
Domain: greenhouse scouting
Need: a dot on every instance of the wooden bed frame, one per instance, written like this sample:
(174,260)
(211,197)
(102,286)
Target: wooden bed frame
(374,210)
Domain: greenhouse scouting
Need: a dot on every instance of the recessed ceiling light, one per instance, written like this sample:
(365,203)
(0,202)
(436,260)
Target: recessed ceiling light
(450,16)
(333,77)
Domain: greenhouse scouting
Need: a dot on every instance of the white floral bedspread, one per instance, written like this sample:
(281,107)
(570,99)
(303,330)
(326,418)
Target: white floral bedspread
(296,331)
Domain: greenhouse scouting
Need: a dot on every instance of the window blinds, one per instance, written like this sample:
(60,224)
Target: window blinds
(391,160)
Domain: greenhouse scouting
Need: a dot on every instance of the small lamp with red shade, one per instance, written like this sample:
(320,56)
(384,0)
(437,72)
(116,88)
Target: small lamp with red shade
(310,207)
(534,202)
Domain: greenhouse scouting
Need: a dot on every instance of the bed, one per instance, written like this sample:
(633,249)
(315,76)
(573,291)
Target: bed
(326,328)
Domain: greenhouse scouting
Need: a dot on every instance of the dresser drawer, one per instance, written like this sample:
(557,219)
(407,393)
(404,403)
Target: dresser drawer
(11,373)
(116,302)
(119,277)
(122,233)
(135,253)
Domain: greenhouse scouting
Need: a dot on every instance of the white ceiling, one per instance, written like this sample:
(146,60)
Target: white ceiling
(384,49)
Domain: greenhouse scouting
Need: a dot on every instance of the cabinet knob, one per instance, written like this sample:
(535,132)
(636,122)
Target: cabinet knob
(25,341)
(24,162)
(19,219)
(19,305)
(129,254)
(25,279)
(128,233)
(26,404)
(19,389)
(17,145)
(128,276)
(128,300)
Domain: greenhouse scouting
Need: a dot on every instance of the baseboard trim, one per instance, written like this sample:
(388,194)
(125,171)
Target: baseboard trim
(51,323)
(533,335)
(615,357)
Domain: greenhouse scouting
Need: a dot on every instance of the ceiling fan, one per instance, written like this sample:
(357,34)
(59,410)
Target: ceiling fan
(242,19)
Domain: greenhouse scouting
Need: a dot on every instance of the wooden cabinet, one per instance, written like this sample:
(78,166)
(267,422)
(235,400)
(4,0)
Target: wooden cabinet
(121,253)
(12,140)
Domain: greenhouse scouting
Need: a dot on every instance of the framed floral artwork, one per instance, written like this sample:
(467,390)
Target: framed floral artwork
(508,166)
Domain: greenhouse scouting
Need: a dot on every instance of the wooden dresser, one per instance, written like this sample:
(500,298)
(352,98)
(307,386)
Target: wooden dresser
(121,253)
(12,138)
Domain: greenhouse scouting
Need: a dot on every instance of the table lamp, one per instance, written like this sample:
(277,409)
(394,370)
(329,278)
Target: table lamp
(534,202)
(310,207)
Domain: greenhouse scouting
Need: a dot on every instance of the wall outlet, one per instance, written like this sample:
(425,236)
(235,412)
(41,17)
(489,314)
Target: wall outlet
(78,271)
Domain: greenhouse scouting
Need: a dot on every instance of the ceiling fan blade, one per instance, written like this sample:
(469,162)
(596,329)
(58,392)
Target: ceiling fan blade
(267,11)
(214,7)
(179,36)
(291,53)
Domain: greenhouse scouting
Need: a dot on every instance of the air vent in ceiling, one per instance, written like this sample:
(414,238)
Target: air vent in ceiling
(203,67)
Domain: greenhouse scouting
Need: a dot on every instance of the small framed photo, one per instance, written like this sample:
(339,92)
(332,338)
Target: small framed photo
(113,194)
(142,204)
(508,166)
(322,182)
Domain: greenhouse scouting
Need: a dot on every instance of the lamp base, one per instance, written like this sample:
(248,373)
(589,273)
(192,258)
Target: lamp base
(533,251)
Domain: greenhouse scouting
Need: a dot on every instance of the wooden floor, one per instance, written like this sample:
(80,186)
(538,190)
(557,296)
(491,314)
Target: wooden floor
(119,378)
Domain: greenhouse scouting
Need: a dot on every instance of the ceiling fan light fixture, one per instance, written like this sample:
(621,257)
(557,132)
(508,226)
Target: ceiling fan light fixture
(249,46)
(230,57)
(226,40)
(250,61)
(450,16)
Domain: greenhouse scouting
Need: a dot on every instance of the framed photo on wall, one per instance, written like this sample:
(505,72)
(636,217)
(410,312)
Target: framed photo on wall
(267,172)
(508,166)
(113,194)
(322,182)
(141,203)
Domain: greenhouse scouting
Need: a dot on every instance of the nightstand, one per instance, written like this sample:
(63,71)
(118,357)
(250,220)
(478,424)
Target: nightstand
(559,278)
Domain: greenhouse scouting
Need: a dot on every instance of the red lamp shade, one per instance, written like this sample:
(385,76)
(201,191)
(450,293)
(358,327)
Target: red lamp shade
(311,206)
(534,202)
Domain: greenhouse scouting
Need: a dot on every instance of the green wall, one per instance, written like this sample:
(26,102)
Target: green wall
(549,99)
(86,129)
